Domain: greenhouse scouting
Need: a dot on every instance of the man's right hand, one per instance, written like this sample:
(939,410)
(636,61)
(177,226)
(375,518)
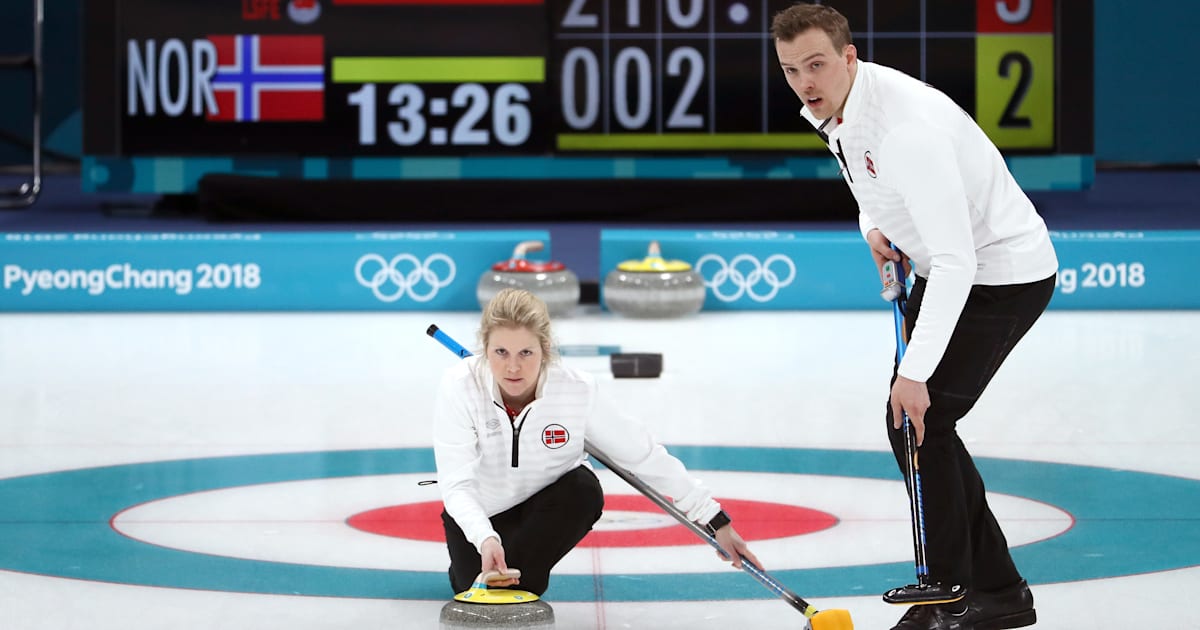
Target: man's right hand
(881,251)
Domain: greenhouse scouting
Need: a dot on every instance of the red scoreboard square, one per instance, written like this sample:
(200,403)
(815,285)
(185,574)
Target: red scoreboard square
(1014,16)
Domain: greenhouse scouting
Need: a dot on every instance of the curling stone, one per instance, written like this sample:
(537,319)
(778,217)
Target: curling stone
(483,607)
(653,287)
(551,281)
(636,364)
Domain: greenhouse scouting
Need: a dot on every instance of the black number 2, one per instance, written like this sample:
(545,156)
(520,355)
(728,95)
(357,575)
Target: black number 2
(1010,118)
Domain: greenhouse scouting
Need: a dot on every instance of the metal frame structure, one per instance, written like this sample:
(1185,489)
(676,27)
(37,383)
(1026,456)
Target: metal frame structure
(25,194)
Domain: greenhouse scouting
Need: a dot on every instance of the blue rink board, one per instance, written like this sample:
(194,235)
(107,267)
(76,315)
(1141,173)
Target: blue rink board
(381,271)
(780,270)
(307,271)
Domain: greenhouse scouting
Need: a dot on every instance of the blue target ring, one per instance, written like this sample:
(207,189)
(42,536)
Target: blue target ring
(58,524)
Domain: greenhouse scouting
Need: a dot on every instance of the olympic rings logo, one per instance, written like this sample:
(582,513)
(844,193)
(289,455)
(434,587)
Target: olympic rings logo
(746,274)
(406,274)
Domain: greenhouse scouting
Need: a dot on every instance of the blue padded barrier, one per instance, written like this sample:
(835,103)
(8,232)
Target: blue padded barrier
(308,271)
(782,270)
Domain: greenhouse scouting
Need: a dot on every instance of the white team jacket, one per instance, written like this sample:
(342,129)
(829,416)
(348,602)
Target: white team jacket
(486,464)
(933,183)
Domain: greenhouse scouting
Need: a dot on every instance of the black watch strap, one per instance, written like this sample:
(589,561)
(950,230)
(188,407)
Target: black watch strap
(717,522)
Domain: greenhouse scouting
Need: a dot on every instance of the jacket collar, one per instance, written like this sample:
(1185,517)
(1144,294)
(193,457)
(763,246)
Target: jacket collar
(863,80)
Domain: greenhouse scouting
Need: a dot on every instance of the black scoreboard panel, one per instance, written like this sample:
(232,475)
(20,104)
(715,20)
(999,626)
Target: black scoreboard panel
(354,82)
(696,73)
(639,75)
(563,77)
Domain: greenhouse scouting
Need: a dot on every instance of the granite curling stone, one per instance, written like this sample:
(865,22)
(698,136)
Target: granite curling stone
(654,287)
(551,281)
(458,615)
(483,607)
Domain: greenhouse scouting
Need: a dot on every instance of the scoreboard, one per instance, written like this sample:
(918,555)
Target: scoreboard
(668,79)
(701,74)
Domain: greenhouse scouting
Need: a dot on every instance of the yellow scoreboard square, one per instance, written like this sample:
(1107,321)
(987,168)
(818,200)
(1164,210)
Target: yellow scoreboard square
(1014,89)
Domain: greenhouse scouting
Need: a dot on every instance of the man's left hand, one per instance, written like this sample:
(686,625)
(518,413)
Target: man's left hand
(912,397)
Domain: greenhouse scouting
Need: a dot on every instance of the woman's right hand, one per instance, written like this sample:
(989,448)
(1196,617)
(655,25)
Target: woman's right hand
(491,553)
(735,547)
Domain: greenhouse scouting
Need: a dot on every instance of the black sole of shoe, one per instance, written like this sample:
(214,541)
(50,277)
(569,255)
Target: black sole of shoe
(1015,620)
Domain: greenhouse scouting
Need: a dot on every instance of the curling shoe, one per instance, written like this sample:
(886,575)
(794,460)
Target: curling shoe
(935,617)
(980,610)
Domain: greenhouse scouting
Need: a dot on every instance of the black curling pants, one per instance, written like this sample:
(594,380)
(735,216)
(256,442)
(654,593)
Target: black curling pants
(964,543)
(535,534)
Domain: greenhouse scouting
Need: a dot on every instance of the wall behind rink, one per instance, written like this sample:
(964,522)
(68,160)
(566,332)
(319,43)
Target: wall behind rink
(388,271)
(828,270)
(306,271)
(1168,134)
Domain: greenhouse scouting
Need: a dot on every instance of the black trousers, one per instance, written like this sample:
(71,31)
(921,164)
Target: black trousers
(536,534)
(964,542)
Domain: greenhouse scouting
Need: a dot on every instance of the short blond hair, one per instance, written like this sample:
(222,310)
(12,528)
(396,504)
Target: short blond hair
(517,308)
(794,20)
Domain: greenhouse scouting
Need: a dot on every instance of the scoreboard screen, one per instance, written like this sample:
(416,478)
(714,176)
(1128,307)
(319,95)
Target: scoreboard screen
(340,78)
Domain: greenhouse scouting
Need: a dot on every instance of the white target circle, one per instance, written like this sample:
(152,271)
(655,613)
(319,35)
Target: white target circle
(305,522)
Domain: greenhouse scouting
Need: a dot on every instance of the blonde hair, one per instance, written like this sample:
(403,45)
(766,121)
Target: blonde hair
(794,20)
(517,308)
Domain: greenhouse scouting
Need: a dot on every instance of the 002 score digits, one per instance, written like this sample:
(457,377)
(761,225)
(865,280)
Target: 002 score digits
(461,120)
(635,84)
(632,90)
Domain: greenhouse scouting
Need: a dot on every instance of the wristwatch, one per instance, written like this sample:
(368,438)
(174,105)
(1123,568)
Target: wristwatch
(717,522)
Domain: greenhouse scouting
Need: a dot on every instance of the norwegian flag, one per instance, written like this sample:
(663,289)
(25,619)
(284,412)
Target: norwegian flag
(555,435)
(269,77)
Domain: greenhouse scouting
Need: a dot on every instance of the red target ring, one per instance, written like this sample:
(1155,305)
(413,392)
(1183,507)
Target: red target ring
(754,520)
